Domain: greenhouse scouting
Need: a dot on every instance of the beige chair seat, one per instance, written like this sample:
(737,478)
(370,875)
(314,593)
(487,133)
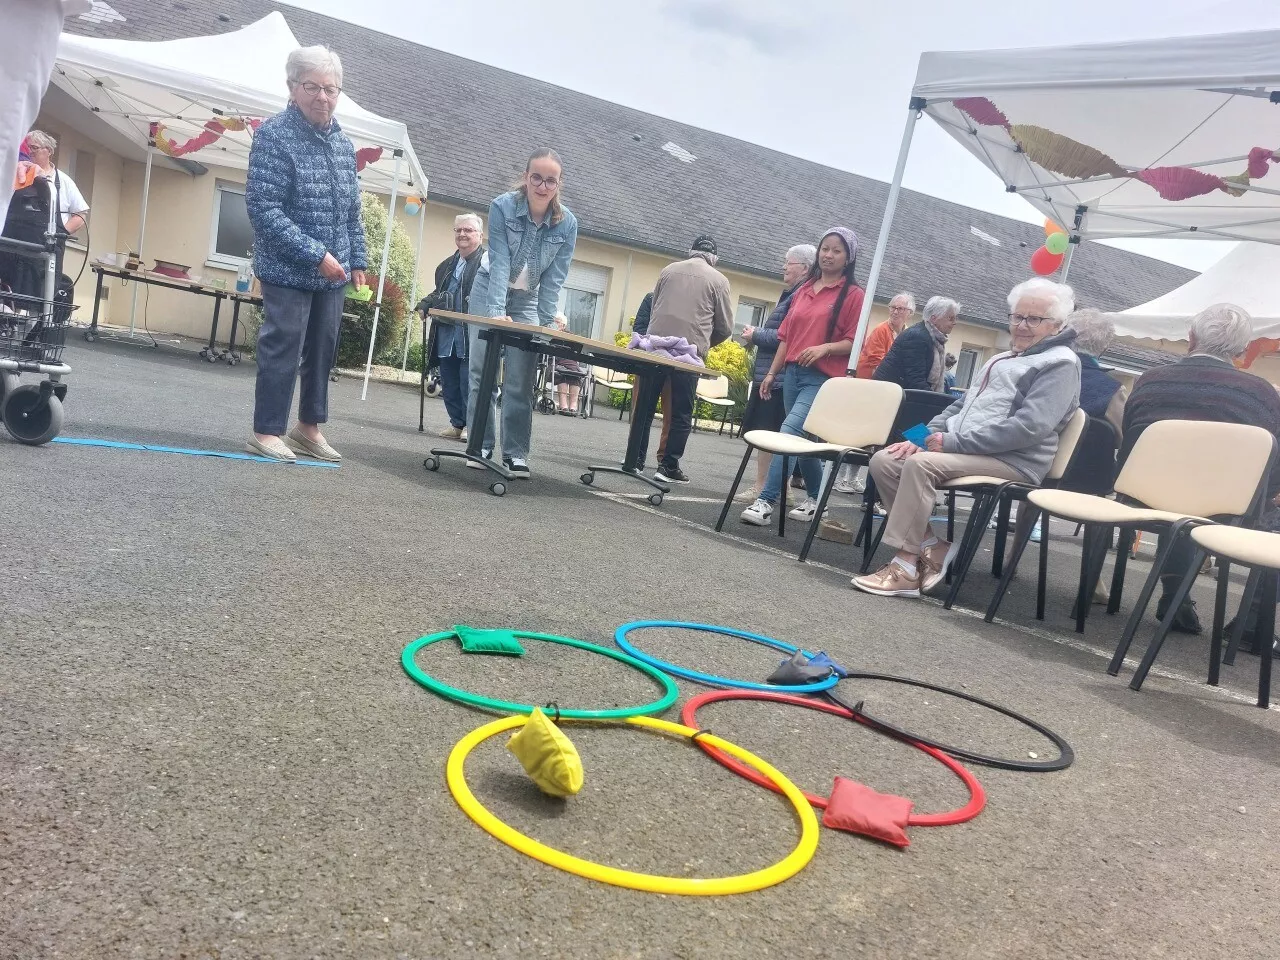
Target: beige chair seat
(976,480)
(1254,548)
(717,401)
(1086,508)
(789,445)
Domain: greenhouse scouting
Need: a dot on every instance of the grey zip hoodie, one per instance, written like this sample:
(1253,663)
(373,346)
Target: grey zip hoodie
(1017,406)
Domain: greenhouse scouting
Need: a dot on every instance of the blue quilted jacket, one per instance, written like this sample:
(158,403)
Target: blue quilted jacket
(303,201)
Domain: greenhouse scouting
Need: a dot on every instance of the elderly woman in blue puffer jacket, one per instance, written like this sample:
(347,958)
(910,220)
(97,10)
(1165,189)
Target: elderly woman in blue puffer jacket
(303,200)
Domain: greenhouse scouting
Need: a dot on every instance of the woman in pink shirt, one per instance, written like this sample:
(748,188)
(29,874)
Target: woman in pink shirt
(814,344)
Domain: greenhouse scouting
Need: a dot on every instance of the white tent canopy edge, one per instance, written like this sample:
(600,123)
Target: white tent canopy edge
(1175,103)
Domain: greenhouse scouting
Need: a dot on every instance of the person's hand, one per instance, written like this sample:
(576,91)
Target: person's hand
(747,333)
(766,386)
(811,355)
(358,279)
(902,450)
(331,269)
(934,443)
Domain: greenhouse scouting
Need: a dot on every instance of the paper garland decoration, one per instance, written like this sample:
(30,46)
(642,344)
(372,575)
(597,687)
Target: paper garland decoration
(1078,161)
(213,131)
(215,128)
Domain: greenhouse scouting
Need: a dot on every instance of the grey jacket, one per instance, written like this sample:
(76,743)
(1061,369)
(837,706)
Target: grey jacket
(691,300)
(1016,408)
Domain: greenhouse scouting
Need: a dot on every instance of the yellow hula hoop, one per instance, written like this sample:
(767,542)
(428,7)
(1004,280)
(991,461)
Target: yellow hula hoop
(792,864)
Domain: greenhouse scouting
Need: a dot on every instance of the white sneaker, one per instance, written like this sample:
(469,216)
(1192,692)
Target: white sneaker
(758,514)
(487,454)
(805,511)
(749,495)
(846,486)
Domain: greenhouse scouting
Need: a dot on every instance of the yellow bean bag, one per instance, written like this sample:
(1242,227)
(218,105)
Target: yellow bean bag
(548,756)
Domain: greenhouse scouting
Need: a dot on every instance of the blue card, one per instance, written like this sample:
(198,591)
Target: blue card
(917,434)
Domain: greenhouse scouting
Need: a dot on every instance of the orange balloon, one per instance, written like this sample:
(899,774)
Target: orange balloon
(1050,228)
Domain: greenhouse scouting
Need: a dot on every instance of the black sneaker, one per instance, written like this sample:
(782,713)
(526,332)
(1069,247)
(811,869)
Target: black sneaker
(517,467)
(676,475)
(1185,621)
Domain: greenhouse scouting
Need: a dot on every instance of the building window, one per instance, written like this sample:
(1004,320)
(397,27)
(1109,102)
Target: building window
(231,234)
(582,298)
(750,313)
(966,365)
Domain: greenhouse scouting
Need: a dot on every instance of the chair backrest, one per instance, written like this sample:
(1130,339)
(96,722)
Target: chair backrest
(1093,468)
(717,389)
(1068,443)
(918,406)
(1198,467)
(605,375)
(854,413)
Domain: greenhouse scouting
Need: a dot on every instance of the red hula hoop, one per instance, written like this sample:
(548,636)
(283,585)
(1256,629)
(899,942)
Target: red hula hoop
(689,717)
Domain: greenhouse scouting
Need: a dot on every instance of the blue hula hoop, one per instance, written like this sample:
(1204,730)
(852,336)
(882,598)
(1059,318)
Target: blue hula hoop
(620,637)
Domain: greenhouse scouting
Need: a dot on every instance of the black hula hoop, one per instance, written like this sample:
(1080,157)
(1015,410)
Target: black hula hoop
(1066,755)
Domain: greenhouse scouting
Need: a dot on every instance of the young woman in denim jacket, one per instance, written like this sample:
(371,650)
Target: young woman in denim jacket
(531,240)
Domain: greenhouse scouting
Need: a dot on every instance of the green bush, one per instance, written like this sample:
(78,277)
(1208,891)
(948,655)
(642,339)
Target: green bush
(399,269)
(354,347)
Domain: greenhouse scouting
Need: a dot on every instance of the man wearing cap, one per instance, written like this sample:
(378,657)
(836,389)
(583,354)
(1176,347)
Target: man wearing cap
(690,304)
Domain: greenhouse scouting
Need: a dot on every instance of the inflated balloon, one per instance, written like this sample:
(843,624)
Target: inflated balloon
(1044,262)
(412,205)
(1050,228)
(1057,243)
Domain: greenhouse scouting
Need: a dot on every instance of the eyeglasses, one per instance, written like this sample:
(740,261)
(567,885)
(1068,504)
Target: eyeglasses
(312,89)
(899,309)
(1030,322)
(540,181)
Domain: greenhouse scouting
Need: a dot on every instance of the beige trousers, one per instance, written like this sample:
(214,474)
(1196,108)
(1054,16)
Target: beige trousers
(908,488)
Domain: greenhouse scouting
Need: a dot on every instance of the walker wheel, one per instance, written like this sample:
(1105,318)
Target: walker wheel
(90,336)
(432,463)
(655,499)
(497,488)
(433,388)
(31,416)
(588,478)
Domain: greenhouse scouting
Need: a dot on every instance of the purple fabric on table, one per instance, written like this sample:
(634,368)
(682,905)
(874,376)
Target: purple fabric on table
(673,348)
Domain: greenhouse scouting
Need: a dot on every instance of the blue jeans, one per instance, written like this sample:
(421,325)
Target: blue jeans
(297,325)
(454,378)
(799,387)
(518,369)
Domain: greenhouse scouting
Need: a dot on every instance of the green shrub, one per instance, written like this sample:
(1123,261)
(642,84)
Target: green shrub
(399,269)
(354,347)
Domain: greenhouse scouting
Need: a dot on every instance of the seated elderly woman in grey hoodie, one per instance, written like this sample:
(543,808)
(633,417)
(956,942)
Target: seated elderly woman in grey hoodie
(1006,426)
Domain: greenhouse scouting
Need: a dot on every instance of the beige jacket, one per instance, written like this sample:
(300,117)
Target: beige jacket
(691,300)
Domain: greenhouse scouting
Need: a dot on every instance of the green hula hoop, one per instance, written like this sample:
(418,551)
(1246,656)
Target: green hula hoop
(670,691)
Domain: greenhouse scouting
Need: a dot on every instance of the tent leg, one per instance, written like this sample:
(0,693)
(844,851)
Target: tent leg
(142,233)
(1081,213)
(382,272)
(913,114)
(413,294)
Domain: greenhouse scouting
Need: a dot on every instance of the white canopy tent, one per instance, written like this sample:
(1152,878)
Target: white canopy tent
(204,95)
(1248,276)
(1165,138)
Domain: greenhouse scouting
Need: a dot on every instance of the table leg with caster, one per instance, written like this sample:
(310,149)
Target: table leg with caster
(92,333)
(210,352)
(474,452)
(231,356)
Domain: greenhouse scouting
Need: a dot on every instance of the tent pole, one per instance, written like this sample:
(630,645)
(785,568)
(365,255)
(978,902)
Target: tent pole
(413,295)
(142,232)
(914,109)
(382,272)
(1076,240)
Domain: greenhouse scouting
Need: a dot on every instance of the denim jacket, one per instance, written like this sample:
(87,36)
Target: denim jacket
(548,262)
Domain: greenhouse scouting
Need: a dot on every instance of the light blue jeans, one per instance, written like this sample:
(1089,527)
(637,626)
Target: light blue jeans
(799,387)
(518,370)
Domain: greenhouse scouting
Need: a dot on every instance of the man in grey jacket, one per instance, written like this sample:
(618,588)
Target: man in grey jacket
(690,302)
(1006,426)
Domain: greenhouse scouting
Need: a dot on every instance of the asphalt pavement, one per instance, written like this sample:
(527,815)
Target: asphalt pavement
(209,749)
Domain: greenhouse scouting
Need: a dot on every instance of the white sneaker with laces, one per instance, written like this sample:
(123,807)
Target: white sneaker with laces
(487,454)
(758,514)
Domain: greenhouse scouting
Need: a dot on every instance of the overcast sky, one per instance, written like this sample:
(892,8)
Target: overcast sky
(827,80)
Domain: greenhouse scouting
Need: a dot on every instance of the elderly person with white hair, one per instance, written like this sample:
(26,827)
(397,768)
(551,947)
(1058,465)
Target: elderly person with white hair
(447,345)
(1005,426)
(918,358)
(876,347)
(1101,395)
(1204,385)
(762,414)
(303,200)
